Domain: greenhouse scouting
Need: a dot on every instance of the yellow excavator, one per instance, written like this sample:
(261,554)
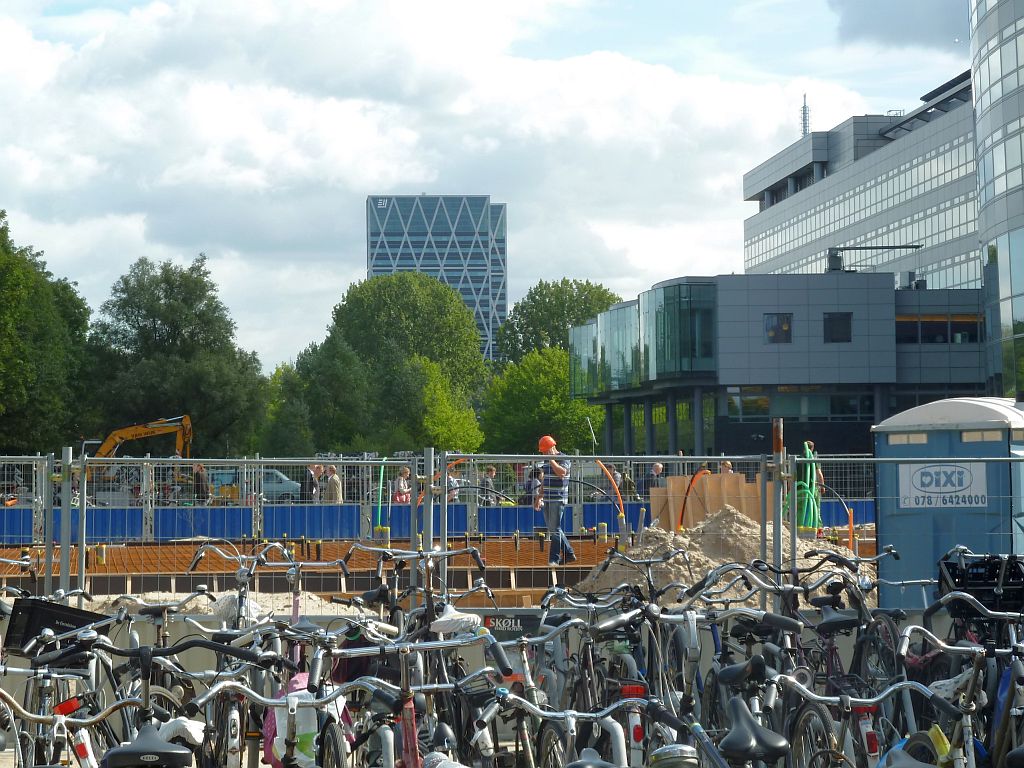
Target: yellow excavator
(181,426)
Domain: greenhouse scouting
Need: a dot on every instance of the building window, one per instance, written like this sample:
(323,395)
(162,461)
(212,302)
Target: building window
(907,332)
(909,438)
(778,328)
(981,435)
(838,327)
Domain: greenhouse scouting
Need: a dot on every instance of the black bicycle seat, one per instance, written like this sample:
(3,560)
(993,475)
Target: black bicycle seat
(897,758)
(378,596)
(741,629)
(752,669)
(157,610)
(589,758)
(747,739)
(148,749)
(1015,758)
(833,621)
(225,636)
(896,614)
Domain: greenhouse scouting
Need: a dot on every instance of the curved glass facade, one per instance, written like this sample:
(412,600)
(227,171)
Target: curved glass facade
(677,330)
(997,73)
(618,347)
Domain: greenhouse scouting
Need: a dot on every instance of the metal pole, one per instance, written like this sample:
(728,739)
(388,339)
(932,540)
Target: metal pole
(82,490)
(65,519)
(779,450)
(45,486)
(428,500)
(443,572)
(793,527)
(764,519)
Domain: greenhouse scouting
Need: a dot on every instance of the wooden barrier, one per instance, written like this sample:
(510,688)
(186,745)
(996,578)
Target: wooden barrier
(710,492)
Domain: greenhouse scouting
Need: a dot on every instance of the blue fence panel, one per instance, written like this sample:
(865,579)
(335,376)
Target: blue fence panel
(504,521)
(112,524)
(596,513)
(833,513)
(16,525)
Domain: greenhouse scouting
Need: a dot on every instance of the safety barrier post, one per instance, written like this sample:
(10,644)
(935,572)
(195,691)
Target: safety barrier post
(65,519)
(82,496)
(443,568)
(764,520)
(44,487)
(779,451)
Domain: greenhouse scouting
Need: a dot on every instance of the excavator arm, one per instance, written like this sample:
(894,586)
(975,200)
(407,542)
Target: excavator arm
(181,426)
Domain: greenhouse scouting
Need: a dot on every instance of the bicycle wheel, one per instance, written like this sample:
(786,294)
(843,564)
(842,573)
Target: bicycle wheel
(333,749)
(551,747)
(811,738)
(675,659)
(878,662)
(712,712)
(921,747)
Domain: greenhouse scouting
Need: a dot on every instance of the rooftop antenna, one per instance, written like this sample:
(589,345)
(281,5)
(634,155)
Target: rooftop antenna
(805,118)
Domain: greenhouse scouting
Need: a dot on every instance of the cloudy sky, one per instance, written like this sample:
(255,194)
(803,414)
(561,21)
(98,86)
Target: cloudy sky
(617,131)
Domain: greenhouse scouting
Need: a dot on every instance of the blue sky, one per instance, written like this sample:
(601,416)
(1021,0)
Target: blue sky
(253,130)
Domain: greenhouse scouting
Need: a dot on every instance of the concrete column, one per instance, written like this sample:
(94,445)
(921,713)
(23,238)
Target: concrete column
(881,403)
(819,171)
(791,185)
(648,426)
(698,421)
(767,198)
(609,427)
(627,432)
(670,419)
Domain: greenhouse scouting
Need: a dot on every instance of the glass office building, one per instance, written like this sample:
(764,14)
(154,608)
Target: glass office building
(997,72)
(459,239)
(702,364)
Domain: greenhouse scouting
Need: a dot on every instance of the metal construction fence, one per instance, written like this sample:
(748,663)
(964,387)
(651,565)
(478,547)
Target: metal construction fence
(133,524)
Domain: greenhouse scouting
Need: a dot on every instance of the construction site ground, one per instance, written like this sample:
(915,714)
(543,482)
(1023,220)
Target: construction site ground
(517,569)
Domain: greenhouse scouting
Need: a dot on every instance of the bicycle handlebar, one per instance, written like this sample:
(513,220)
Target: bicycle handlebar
(933,698)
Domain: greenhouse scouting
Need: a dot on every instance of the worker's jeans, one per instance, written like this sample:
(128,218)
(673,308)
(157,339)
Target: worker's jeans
(559,541)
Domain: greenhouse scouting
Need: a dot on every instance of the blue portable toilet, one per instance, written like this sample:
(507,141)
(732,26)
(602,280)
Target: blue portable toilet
(946,493)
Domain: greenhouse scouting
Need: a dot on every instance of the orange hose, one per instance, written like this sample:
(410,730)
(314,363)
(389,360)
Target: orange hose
(611,481)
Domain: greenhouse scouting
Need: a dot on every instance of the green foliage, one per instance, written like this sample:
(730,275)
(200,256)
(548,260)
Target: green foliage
(530,399)
(413,313)
(286,428)
(42,334)
(397,371)
(165,346)
(448,423)
(543,317)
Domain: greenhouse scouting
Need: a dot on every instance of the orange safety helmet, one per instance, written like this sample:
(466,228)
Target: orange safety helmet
(546,443)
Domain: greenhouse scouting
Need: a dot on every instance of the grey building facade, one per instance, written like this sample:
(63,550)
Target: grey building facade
(879,181)
(702,364)
(459,239)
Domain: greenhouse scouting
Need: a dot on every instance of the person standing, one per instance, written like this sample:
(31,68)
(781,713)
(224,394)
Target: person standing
(332,493)
(556,498)
(200,484)
(653,479)
(488,496)
(309,488)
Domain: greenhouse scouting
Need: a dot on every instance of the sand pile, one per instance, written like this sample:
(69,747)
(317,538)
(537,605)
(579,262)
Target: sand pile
(278,603)
(726,536)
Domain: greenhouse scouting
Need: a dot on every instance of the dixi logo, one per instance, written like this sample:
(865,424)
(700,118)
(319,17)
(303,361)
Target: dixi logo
(941,478)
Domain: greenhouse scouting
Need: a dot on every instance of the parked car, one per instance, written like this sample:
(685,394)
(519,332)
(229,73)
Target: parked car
(278,488)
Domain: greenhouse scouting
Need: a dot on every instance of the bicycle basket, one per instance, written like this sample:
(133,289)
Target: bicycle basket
(996,581)
(31,615)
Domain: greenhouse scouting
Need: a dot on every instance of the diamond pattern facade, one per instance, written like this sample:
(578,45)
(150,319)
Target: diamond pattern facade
(459,239)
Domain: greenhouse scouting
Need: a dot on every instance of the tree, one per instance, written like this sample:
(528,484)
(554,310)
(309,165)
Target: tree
(448,422)
(543,317)
(286,429)
(43,324)
(413,313)
(166,344)
(335,386)
(530,399)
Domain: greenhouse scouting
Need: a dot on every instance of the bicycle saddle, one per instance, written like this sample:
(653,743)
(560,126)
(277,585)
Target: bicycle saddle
(589,758)
(752,669)
(148,749)
(897,758)
(1015,758)
(896,614)
(157,610)
(747,739)
(833,621)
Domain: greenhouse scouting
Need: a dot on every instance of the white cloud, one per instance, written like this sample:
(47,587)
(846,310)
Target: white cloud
(253,130)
